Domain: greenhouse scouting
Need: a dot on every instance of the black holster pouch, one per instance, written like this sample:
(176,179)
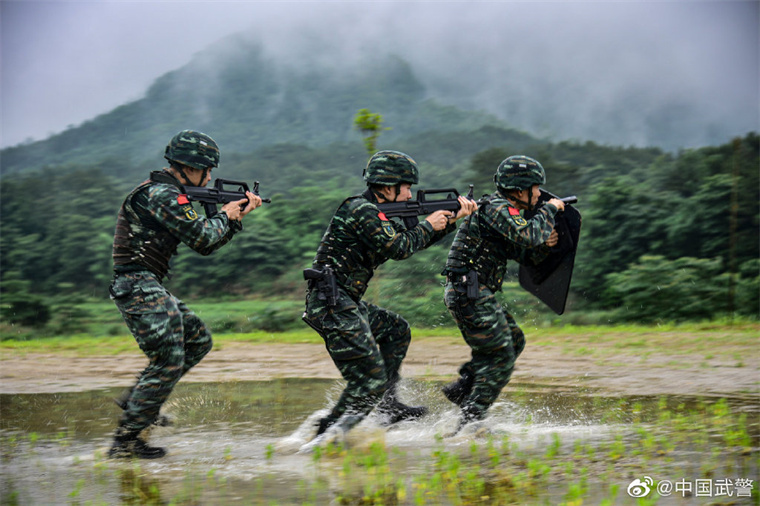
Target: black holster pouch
(473,286)
(466,283)
(324,280)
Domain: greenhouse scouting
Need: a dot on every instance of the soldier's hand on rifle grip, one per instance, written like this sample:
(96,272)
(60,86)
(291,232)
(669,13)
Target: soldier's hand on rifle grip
(254,201)
(439,219)
(468,206)
(557,203)
(239,208)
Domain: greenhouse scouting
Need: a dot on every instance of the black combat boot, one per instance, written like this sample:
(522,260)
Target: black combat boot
(126,444)
(324,424)
(121,401)
(458,390)
(332,431)
(470,414)
(397,411)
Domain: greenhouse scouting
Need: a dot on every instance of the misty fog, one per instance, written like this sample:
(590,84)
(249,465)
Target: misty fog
(671,74)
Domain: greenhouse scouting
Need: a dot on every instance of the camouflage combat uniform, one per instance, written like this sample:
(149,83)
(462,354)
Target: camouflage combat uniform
(484,242)
(154,218)
(367,343)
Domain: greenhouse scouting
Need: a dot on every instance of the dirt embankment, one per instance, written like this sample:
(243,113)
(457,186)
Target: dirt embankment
(428,358)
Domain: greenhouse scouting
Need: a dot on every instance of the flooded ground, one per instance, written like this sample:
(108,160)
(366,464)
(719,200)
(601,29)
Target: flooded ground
(238,442)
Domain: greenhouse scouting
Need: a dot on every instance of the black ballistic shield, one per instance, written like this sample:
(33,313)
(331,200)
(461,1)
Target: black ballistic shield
(550,280)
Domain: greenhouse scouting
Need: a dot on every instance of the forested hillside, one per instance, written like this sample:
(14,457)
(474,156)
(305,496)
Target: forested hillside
(666,236)
(246,101)
(662,234)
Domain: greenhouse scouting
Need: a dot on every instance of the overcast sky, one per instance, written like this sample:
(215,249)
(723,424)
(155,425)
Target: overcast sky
(64,62)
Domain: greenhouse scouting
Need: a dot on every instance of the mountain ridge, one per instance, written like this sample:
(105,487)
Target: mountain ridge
(246,100)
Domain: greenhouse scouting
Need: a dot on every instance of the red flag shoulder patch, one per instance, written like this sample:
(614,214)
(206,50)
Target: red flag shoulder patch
(182,199)
(514,212)
(382,216)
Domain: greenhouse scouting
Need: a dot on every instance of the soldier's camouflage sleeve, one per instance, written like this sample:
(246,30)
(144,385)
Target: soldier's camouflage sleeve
(381,234)
(202,234)
(508,222)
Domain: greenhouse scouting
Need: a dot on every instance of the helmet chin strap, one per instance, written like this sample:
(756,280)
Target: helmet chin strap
(528,204)
(382,196)
(180,168)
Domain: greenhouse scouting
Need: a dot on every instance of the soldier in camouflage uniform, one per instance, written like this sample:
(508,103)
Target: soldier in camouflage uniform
(368,343)
(155,217)
(475,269)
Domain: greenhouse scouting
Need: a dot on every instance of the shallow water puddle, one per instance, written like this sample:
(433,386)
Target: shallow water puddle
(240,441)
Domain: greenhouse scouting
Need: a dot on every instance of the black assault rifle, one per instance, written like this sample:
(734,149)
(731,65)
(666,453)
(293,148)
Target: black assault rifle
(570,200)
(567,200)
(409,210)
(217,194)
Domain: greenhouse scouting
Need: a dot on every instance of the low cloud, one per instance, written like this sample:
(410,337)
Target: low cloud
(617,73)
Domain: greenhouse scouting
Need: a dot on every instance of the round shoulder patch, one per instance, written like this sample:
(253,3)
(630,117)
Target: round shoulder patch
(190,212)
(388,228)
(519,220)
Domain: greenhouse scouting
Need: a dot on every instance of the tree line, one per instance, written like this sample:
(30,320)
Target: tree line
(665,236)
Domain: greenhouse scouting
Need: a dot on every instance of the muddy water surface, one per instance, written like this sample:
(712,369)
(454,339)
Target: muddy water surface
(238,442)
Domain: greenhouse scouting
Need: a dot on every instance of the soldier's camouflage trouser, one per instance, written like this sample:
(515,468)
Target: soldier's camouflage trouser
(167,331)
(494,337)
(367,344)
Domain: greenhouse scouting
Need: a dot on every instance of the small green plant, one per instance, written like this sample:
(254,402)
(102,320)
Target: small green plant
(370,126)
(553,449)
(77,489)
(617,448)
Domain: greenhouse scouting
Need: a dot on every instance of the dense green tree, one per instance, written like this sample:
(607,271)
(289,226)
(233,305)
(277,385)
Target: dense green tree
(620,225)
(483,167)
(747,289)
(657,289)
(19,305)
(699,225)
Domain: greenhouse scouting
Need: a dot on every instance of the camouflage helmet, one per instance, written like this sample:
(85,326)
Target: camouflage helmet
(519,173)
(390,168)
(194,149)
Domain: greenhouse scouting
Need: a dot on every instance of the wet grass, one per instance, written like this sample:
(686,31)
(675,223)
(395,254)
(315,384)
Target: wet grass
(89,345)
(737,341)
(665,440)
(707,441)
